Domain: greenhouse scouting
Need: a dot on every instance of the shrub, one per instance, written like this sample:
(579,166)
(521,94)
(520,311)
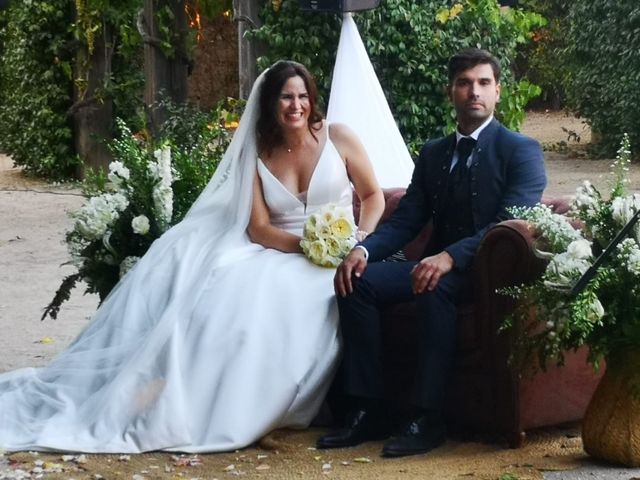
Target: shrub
(603,63)
(38,69)
(36,87)
(540,61)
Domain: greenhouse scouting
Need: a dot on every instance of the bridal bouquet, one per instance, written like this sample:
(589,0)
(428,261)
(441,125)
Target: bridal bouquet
(328,235)
(605,316)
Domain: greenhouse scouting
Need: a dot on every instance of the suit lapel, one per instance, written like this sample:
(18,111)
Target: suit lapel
(441,173)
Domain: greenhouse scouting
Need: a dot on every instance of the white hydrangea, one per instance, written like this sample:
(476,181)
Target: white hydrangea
(140,225)
(99,213)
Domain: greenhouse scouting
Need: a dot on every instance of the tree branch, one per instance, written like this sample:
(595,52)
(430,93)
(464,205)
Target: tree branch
(141,25)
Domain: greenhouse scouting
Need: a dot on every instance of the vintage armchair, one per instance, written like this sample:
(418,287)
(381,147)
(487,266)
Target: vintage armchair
(485,394)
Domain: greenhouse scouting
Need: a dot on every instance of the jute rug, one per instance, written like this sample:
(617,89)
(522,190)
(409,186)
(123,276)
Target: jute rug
(291,455)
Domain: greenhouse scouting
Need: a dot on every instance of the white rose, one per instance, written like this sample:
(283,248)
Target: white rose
(140,225)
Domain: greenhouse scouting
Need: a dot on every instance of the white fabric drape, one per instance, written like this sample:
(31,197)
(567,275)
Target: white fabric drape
(357,100)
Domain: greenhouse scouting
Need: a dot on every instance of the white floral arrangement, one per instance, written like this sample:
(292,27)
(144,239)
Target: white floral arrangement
(605,315)
(328,235)
(100,217)
(148,187)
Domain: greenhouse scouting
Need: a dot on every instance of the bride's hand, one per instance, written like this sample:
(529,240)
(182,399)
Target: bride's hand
(361,235)
(354,264)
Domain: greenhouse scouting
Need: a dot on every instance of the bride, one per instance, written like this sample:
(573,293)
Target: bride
(224,331)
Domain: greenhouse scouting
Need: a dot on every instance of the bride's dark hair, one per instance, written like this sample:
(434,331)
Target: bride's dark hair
(268,130)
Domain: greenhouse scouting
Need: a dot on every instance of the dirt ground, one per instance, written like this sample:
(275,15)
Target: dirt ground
(33,222)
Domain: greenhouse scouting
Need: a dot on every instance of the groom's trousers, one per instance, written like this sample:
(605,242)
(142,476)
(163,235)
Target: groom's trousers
(385,283)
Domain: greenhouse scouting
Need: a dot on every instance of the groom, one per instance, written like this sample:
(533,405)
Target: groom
(463,183)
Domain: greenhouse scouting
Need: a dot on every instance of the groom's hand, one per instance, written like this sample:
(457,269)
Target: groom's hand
(427,273)
(354,264)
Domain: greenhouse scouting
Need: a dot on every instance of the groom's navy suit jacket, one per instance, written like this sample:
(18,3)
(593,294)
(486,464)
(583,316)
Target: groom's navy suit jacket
(507,170)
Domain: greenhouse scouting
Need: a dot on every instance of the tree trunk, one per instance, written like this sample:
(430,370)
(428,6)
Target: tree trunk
(93,108)
(165,75)
(246,13)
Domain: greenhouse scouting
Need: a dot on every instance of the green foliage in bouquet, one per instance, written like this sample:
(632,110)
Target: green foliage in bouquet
(150,186)
(605,316)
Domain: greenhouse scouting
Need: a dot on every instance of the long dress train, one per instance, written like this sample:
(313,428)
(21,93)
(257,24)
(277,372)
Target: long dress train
(254,349)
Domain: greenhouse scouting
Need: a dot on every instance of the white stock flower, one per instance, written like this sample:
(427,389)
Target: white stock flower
(623,208)
(162,193)
(585,195)
(140,225)
(161,169)
(163,204)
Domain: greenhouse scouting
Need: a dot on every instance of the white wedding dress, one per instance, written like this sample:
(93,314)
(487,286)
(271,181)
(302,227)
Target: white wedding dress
(210,341)
(255,351)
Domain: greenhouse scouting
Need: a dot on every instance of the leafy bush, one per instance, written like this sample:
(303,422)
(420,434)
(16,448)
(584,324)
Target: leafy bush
(150,186)
(603,63)
(38,69)
(409,44)
(540,61)
(35,87)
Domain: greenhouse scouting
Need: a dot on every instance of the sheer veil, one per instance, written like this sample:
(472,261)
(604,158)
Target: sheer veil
(133,331)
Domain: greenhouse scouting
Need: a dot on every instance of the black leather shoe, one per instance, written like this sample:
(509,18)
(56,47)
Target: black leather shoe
(362,426)
(420,436)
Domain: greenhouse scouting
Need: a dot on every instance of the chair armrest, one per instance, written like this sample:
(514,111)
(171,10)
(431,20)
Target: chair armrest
(505,258)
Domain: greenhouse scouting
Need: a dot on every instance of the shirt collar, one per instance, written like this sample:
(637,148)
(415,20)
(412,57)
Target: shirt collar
(476,133)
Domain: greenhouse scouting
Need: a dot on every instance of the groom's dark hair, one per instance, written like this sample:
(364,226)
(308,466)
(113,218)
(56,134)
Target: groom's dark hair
(268,130)
(469,58)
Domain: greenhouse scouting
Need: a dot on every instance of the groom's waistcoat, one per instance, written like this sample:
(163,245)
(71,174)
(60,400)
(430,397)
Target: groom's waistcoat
(507,169)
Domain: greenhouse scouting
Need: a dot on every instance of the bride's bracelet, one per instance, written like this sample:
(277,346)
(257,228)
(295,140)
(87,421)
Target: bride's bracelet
(361,235)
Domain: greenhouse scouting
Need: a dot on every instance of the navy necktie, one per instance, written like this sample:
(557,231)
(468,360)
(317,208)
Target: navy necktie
(464,148)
